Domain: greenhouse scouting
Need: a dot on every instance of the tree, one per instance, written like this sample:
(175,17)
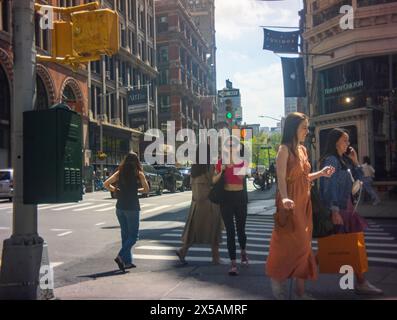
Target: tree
(261,156)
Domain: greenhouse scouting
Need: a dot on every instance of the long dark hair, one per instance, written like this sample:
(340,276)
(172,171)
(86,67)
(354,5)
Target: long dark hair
(330,148)
(129,168)
(200,169)
(291,125)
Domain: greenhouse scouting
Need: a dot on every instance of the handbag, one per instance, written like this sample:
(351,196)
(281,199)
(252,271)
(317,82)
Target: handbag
(217,191)
(322,222)
(342,249)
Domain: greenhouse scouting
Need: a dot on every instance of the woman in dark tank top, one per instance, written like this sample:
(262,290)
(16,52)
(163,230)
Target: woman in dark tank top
(127,206)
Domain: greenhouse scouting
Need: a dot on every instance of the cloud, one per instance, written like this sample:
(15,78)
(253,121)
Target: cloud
(235,17)
(262,93)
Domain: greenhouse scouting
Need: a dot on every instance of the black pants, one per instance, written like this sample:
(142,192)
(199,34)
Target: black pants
(234,207)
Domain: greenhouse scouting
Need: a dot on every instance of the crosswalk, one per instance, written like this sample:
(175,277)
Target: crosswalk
(381,245)
(92,207)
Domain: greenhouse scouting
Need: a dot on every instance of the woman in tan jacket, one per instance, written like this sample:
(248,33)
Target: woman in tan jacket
(204,223)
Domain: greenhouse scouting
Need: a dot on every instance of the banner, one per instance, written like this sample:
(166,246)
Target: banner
(281,42)
(294,77)
(138,96)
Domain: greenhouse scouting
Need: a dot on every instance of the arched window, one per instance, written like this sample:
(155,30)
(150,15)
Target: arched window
(69,97)
(42,96)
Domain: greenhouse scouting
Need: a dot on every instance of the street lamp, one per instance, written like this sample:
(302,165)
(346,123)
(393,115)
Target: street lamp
(262,116)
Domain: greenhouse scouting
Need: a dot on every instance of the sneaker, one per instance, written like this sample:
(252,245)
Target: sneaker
(233,270)
(304,296)
(279,290)
(367,288)
(130,266)
(244,259)
(181,258)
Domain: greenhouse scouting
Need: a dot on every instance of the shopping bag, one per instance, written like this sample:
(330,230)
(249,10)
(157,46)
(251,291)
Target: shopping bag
(342,249)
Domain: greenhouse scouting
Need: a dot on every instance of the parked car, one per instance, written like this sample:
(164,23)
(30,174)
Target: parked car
(173,179)
(154,180)
(6,184)
(186,173)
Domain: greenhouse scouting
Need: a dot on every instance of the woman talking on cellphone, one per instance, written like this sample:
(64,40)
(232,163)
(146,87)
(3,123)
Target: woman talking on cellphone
(336,193)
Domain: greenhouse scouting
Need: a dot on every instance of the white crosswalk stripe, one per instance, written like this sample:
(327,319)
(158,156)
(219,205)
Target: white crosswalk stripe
(381,246)
(72,206)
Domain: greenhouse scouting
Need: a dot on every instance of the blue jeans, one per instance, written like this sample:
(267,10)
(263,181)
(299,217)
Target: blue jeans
(129,224)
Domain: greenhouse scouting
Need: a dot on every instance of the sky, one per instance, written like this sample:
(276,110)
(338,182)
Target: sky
(241,59)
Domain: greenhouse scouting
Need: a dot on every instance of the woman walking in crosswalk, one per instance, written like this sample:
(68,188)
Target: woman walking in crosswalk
(234,203)
(128,177)
(290,253)
(204,223)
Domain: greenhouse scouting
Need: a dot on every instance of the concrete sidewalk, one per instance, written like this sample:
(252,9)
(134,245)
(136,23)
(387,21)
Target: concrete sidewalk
(204,281)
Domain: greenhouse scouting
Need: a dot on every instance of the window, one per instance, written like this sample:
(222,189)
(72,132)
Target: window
(132,10)
(67,3)
(162,24)
(123,36)
(142,20)
(151,33)
(4,15)
(41,36)
(164,77)
(96,67)
(163,54)
(164,103)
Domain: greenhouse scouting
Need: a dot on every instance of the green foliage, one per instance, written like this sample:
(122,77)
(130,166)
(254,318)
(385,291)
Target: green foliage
(261,156)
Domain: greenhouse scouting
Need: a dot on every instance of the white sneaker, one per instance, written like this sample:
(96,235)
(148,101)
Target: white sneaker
(367,288)
(279,290)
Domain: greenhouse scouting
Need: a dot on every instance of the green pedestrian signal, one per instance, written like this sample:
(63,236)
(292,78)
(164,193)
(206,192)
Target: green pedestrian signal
(229,115)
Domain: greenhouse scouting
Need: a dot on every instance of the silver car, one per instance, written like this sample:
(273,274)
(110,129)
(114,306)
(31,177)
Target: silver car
(6,183)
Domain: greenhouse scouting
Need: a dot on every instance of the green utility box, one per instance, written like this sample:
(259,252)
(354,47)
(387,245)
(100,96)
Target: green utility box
(52,162)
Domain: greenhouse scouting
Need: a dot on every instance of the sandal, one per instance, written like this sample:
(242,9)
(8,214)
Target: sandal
(233,271)
(244,259)
(181,258)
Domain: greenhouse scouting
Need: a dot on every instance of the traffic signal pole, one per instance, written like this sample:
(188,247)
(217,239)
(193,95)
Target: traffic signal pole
(22,253)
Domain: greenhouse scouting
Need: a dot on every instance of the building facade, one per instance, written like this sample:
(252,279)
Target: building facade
(352,78)
(111,79)
(54,83)
(290,105)
(184,71)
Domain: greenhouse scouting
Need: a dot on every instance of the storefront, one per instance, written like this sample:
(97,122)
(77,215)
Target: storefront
(361,97)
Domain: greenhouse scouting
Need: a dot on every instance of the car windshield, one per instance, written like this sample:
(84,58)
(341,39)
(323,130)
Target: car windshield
(5,175)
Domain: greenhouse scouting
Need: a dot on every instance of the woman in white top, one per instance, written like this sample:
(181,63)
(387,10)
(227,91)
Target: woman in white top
(369,174)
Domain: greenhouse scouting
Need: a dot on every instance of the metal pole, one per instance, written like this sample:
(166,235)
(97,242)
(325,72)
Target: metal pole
(149,126)
(22,253)
(103,110)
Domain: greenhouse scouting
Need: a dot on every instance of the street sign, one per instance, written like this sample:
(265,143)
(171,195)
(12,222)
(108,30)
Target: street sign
(229,93)
(138,96)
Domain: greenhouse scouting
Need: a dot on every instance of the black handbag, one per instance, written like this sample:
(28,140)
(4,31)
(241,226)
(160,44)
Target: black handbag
(322,222)
(217,191)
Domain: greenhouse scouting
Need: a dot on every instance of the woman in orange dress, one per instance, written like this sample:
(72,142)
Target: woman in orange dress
(290,254)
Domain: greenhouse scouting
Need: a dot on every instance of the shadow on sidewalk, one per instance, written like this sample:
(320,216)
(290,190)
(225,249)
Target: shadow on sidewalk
(103,274)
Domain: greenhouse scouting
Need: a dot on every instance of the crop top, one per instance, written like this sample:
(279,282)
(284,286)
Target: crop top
(230,177)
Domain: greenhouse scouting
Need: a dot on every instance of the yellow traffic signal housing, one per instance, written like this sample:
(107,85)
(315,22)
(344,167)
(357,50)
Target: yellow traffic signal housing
(95,32)
(62,45)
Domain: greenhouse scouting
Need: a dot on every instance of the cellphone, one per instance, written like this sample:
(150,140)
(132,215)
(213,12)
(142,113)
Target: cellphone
(349,150)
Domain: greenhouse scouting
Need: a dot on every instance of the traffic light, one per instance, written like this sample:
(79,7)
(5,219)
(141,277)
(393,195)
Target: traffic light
(229,110)
(85,35)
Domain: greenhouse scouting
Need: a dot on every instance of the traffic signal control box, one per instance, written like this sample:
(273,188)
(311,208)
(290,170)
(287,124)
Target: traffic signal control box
(52,161)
